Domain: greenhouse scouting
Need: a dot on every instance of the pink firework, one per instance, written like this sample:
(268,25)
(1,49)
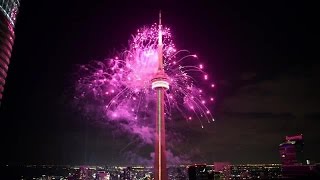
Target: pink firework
(122,85)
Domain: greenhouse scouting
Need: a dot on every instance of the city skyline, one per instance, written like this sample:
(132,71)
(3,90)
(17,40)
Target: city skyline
(266,86)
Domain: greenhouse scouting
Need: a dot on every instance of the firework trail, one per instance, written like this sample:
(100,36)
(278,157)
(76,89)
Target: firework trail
(119,88)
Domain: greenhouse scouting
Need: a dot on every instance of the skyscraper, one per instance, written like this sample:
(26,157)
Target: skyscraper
(8,14)
(291,151)
(293,163)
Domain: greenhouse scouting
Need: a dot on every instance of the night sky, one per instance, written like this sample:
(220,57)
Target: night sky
(266,86)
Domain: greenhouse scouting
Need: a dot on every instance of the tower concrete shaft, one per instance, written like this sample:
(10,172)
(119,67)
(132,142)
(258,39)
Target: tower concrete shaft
(160,145)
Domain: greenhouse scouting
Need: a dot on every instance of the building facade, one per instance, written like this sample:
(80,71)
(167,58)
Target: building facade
(8,14)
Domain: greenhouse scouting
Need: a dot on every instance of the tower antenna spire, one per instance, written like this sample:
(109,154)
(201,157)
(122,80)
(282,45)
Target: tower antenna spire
(160,43)
(160,18)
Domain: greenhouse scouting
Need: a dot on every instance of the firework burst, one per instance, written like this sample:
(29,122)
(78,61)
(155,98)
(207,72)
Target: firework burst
(120,87)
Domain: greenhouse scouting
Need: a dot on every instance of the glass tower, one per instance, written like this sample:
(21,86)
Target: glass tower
(8,14)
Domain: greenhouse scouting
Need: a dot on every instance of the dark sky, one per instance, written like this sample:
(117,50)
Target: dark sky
(266,86)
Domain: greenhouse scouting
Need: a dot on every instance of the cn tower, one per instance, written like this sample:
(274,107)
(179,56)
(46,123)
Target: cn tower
(160,84)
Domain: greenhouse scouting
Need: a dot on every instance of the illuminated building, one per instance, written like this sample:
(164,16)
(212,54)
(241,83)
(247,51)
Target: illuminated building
(293,163)
(223,168)
(291,151)
(200,172)
(102,175)
(160,84)
(8,14)
(127,173)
